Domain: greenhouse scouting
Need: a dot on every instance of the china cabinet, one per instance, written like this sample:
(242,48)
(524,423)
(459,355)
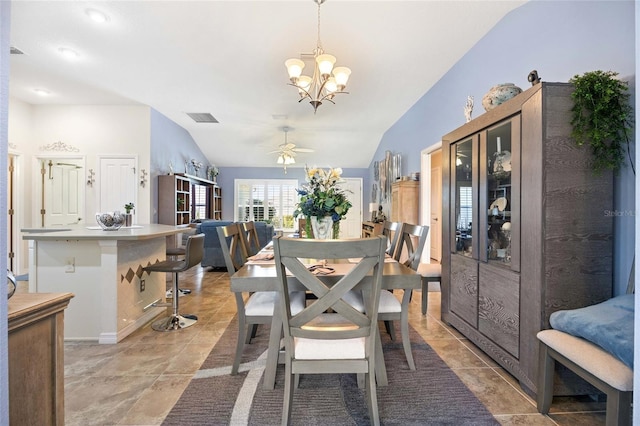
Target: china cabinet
(525,230)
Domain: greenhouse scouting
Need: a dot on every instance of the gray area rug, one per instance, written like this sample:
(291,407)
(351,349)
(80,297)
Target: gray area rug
(430,395)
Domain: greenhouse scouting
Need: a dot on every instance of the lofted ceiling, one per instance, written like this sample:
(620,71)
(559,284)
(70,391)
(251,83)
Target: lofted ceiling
(227,58)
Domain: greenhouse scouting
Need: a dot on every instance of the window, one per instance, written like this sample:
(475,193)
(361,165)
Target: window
(466,208)
(199,206)
(272,201)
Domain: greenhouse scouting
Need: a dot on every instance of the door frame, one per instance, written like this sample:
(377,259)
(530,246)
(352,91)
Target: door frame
(20,259)
(425,194)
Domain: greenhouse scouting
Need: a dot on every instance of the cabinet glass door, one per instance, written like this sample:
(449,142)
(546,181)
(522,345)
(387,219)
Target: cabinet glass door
(464,197)
(499,194)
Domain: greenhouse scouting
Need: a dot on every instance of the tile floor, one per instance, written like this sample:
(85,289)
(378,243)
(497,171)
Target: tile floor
(137,381)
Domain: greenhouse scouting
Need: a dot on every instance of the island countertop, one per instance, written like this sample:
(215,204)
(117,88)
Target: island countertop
(84,232)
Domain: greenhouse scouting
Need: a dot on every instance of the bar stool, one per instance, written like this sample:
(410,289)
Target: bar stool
(173,253)
(193,256)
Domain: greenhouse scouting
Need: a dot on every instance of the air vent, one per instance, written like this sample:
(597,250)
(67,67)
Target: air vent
(202,117)
(15,51)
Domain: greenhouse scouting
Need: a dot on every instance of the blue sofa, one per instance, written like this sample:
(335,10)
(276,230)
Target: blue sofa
(213,251)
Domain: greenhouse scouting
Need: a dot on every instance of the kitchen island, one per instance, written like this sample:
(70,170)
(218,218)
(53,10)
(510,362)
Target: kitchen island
(104,270)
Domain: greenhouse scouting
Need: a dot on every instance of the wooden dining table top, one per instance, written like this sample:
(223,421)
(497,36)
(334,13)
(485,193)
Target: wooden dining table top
(262,275)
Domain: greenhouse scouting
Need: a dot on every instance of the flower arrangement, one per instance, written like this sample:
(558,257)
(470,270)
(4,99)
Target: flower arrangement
(322,197)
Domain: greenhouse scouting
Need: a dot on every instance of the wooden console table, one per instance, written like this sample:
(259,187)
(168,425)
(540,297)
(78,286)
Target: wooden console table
(371,229)
(36,358)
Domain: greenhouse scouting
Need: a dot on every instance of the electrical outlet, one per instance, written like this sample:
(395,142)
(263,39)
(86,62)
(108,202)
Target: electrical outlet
(70,265)
(142,285)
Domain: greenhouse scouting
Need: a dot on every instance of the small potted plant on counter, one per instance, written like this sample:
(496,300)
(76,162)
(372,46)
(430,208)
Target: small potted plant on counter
(128,217)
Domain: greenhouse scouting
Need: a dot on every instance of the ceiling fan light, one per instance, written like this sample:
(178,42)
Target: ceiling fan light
(325,64)
(341,75)
(294,68)
(280,159)
(289,160)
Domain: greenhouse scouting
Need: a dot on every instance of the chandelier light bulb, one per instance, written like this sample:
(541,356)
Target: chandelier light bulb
(325,64)
(322,85)
(294,67)
(342,76)
(331,85)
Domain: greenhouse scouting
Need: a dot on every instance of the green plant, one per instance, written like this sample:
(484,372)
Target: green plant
(323,197)
(128,207)
(603,117)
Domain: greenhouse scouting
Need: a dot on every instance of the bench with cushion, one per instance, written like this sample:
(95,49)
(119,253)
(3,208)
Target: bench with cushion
(596,343)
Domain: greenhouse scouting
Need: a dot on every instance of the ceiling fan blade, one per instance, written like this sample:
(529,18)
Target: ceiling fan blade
(303,150)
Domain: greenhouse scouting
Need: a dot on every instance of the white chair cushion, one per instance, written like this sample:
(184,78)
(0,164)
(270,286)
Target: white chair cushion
(590,357)
(329,349)
(388,302)
(430,270)
(262,303)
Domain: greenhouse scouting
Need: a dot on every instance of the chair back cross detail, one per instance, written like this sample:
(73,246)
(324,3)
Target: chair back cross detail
(329,335)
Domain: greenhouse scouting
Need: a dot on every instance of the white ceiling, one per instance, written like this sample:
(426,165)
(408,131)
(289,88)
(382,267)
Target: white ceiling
(227,58)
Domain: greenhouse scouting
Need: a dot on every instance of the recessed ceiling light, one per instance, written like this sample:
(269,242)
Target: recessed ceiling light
(41,92)
(97,16)
(68,53)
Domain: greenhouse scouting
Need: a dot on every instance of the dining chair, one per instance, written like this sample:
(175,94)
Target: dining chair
(391,230)
(259,306)
(252,242)
(329,335)
(391,309)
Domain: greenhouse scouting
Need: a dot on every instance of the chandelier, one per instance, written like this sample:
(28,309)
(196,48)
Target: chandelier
(326,82)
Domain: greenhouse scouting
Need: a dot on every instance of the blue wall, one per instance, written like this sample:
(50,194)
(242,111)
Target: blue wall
(559,39)
(229,174)
(170,143)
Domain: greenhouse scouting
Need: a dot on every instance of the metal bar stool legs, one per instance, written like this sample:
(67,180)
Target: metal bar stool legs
(193,256)
(175,321)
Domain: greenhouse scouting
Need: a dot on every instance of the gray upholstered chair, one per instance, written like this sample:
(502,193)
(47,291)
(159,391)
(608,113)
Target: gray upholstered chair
(192,256)
(259,306)
(343,341)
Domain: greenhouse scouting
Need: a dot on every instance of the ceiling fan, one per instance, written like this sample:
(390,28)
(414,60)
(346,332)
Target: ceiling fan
(287,151)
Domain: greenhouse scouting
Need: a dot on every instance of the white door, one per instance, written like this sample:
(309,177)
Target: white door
(118,183)
(351,225)
(436,213)
(63,191)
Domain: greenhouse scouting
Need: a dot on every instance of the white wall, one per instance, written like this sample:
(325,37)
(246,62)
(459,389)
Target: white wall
(94,130)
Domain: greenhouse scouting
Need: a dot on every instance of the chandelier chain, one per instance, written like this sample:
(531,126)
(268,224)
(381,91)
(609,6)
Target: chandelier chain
(319,44)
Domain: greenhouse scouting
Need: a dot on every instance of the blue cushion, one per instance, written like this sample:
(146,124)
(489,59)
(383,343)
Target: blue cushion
(608,324)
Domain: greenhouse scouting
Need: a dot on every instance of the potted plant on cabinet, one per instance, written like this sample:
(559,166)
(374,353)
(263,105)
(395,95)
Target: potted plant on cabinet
(128,216)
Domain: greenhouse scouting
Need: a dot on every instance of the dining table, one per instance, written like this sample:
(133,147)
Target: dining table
(259,274)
